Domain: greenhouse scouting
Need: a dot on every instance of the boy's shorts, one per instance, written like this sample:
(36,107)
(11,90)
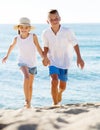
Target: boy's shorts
(62,73)
(32,70)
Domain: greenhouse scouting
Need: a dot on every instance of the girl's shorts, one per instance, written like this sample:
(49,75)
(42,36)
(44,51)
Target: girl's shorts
(32,70)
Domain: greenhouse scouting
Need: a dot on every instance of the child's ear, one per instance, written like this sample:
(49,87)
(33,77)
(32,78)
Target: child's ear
(59,18)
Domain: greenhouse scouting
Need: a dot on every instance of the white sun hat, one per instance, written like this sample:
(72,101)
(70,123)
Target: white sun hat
(24,21)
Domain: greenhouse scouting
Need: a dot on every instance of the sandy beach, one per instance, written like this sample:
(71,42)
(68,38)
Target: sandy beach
(66,117)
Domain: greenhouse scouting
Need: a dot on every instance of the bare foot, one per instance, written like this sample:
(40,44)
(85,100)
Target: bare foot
(27,104)
(55,105)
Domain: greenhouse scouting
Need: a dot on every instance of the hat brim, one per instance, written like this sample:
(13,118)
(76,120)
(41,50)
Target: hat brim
(17,26)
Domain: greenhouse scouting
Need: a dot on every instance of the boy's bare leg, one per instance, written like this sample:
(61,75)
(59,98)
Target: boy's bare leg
(62,87)
(54,88)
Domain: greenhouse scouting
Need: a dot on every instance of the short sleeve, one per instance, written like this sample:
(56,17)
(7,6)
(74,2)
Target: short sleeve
(72,38)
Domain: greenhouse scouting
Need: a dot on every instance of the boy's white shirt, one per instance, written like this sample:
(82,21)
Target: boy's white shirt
(60,46)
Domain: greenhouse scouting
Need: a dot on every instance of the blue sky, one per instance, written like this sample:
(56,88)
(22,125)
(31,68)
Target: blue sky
(71,11)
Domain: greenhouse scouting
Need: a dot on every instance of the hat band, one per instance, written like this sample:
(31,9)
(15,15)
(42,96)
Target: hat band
(25,24)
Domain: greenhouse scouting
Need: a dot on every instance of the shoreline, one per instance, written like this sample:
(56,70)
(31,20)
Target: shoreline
(82,116)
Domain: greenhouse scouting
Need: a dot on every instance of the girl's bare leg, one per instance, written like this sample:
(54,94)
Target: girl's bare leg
(26,85)
(31,79)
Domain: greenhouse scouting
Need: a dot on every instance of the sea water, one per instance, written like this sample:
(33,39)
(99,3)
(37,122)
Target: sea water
(82,86)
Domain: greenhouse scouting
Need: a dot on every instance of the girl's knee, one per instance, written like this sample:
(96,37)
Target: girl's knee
(26,76)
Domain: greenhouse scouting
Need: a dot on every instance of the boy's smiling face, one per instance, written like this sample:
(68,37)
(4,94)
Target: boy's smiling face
(53,19)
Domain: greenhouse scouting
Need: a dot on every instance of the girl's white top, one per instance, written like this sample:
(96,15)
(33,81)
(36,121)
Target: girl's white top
(27,51)
(60,46)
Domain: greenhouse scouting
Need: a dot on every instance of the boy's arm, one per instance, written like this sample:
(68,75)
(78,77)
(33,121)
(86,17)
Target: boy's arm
(80,62)
(45,61)
(9,50)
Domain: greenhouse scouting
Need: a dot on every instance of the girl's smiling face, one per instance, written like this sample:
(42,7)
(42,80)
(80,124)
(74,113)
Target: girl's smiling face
(24,30)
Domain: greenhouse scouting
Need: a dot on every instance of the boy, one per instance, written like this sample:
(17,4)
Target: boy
(58,43)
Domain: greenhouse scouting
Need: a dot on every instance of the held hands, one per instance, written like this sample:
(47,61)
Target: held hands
(46,61)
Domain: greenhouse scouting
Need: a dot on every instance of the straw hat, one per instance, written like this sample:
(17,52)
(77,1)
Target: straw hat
(24,21)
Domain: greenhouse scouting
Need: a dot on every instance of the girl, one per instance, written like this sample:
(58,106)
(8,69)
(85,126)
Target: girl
(27,44)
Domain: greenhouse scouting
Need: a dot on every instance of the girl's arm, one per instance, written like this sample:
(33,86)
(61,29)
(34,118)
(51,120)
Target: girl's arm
(9,50)
(45,60)
(35,39)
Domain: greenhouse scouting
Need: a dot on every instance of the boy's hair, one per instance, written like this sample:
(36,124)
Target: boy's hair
(53,11)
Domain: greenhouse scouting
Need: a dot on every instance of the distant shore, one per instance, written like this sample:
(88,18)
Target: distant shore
(67,117)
